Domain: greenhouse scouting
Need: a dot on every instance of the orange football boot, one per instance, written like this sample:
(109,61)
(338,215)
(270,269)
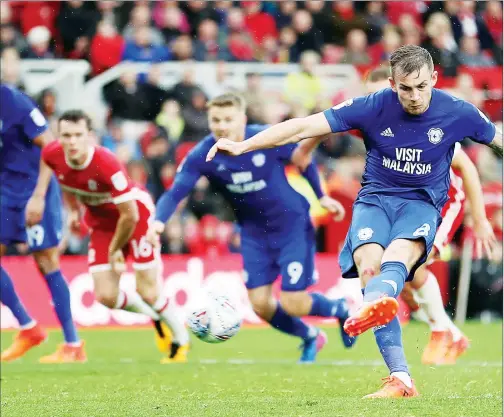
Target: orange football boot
(455,350)
(24,341)
(375,313)
(437,348)
(393,387)
(66,353)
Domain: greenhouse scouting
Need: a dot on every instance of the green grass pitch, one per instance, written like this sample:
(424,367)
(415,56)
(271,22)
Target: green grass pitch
(253,374)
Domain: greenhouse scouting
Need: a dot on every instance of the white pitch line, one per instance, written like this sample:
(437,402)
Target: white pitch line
(469,364)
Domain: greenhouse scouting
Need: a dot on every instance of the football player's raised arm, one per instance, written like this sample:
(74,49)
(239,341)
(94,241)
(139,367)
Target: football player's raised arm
(290,131)
(348,115)
(128,219)
(186,178)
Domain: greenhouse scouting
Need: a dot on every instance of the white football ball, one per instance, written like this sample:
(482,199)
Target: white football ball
(215,320)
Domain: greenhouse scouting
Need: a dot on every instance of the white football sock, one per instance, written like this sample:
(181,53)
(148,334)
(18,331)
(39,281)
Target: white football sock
(131,301)
(432,304)
(174,321)
(404,377)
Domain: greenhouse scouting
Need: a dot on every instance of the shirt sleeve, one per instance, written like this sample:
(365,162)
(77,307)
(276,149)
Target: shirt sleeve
(32,121)
(115,178)
(351,114)
(188,174)
(476,125)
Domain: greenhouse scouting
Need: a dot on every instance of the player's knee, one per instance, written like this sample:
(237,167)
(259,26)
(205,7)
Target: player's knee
(368,269)
(149,295)
(47,260)
(368,264)
(406,251)
(107,298)
(147,285)
(262,305)
(294,303)
(419,278)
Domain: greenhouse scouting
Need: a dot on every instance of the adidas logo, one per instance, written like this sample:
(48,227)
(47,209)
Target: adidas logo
(221,168)
(387,132)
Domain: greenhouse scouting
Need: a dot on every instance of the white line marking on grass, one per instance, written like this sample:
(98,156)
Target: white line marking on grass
(469,364)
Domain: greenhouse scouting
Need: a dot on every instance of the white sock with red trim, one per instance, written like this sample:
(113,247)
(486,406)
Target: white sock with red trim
(131,301)
(167,312)
(432,304)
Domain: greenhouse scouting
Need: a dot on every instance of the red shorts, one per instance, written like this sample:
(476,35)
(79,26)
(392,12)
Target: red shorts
(142,252)
(453,215)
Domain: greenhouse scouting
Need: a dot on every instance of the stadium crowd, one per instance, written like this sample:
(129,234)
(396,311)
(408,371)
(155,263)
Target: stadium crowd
(151,128)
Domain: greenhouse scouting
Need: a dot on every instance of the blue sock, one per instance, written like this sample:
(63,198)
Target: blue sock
(9,297)
(324,307)
(390,282)
(389,340)
(290,325)
(61,300)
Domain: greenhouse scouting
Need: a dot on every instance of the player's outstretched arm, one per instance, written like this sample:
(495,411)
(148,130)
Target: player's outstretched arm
(186,178)
(290,131)
(485,238)
(311,174)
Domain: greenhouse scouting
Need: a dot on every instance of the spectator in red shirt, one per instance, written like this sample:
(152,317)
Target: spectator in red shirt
(106,48)
(258,23)
(239,40)
(206,241)
(39,13)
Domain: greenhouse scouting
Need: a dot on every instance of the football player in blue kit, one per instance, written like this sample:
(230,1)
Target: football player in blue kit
(277,236)
(410,131)
(24,131)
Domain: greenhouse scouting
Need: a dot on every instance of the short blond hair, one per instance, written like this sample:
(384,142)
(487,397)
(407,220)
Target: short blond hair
(228,100)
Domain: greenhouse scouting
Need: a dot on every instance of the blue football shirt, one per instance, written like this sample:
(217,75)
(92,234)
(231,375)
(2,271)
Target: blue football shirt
(410,155)
(254,184)
(20,122)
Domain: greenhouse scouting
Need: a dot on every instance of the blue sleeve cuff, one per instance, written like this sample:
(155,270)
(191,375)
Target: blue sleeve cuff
(489,137)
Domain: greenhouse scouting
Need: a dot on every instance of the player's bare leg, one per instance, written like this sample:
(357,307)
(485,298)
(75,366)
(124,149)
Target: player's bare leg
(72,350)
(380,306)
(382,275)
(446,342)
(269,309)
(302,303)
(149,289)
(31,334)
